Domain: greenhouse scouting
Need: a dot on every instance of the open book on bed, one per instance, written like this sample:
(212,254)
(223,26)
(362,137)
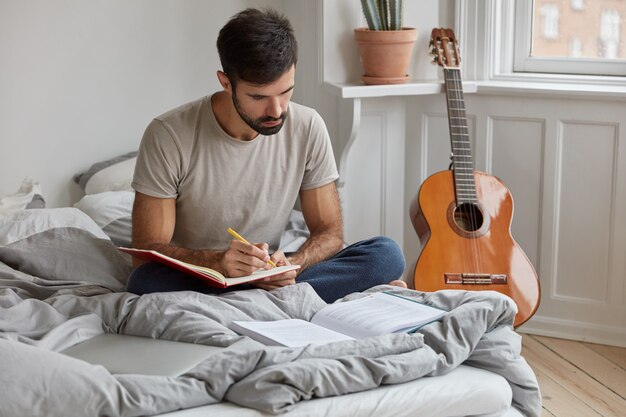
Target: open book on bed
(211,276)
(373,315)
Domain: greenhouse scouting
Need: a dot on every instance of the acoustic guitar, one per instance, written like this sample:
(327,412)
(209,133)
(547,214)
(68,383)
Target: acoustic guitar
(463,216)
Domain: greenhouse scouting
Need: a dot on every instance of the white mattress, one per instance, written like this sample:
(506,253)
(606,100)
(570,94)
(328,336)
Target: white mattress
(466,391)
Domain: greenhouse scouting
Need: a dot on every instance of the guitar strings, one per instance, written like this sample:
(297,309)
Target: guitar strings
(471,178)
(463,171)
(472,207)
(458,170)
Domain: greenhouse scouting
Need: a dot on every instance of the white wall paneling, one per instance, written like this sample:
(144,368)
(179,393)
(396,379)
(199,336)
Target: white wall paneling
(373,173)
(516,156)
(364,199)
(585,210)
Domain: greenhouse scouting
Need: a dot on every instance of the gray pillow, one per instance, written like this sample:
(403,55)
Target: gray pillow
(37,202)
(62,245)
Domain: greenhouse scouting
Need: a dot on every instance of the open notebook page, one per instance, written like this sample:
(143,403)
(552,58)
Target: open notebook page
(289,332)
(376,314)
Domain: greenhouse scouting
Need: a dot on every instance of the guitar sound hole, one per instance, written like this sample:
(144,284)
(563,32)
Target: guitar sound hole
(468,217)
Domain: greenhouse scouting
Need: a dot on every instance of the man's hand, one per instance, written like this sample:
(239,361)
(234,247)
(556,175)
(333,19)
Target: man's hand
(241,259)
(277,281)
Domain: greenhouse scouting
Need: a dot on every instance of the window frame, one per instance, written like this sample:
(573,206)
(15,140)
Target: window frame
(556,65)
(497,31)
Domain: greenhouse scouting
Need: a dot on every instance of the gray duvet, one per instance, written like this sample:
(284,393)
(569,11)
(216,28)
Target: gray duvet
(61,282)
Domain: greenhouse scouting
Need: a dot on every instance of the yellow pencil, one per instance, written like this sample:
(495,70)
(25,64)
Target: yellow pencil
(242,239)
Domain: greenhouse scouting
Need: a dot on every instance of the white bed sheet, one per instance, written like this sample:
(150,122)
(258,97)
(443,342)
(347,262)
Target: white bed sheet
(466,391)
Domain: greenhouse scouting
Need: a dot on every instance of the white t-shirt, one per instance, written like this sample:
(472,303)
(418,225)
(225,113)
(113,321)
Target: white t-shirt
(219,181)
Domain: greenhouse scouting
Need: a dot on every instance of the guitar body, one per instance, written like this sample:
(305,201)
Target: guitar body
(471,247)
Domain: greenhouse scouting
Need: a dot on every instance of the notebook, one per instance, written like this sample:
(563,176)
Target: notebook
(123,354)
(210,276)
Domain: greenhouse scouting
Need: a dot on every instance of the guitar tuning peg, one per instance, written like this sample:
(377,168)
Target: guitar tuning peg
(431,44)
(434,61)
(433,52)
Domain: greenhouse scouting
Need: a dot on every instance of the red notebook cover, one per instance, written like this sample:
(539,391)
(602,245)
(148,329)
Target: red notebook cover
(212,277)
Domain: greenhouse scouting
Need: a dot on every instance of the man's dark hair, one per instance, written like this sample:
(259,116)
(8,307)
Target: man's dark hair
(257,46)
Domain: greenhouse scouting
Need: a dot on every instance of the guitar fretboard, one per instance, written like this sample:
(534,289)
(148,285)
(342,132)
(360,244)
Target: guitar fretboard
(462,163)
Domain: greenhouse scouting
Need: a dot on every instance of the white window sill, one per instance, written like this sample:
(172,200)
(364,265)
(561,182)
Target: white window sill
(518,86)
(554,89)
(412,88)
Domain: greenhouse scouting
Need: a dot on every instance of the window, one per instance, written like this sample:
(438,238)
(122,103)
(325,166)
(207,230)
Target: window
(550,18)
(609,34)
(575,48)
(577,4)
(581,37)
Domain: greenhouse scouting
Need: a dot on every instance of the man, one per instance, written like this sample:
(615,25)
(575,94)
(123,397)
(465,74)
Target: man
(240,158)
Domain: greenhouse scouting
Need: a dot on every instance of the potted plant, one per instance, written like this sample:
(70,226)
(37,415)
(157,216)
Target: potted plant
(385,45)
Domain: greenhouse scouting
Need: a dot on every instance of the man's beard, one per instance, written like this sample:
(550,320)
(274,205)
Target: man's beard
(256,124)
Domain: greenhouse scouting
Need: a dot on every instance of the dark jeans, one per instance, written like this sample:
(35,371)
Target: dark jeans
(356,268)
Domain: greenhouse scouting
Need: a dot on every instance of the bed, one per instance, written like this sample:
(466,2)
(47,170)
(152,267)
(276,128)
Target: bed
(62,282)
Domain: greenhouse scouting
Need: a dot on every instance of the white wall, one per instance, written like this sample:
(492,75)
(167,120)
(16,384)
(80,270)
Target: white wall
(80,80)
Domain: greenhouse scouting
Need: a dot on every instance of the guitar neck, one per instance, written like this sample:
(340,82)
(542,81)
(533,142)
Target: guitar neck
(462,163)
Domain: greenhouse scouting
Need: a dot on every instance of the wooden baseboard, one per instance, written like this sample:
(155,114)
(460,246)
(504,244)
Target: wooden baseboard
(573,330)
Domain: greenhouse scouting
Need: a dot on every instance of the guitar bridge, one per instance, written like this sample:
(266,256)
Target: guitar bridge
(470,278)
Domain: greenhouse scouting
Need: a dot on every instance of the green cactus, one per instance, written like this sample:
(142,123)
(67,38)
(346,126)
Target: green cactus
(395,14)
(372,15)
(383,14)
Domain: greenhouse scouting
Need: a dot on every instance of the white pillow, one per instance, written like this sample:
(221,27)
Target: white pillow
(295,233)
(112,211)
(114,174)
(116,177)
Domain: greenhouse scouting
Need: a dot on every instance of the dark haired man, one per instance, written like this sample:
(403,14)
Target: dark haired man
(240,158)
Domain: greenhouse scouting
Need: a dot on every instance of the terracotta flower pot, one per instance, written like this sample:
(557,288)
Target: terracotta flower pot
(385,54)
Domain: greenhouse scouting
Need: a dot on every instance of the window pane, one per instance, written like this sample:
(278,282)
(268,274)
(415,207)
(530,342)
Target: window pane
(579,29)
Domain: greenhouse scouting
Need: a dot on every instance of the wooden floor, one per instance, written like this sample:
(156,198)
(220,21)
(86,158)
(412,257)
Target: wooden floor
(578,379)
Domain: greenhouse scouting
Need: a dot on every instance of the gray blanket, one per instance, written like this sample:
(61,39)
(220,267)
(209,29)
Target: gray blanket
(63,284)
